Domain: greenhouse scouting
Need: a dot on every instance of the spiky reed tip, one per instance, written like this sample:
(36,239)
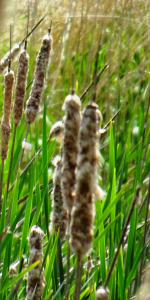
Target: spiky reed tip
(35,276)
(86,181)
(59,215)
(23,67)
(32,104)
(72,106)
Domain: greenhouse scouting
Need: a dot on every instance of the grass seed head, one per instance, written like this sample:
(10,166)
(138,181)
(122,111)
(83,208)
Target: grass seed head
(72,106)
(32,105)
(20,86)
(86,178)
(56,131)
(5,133)
(59,215)
(35,276)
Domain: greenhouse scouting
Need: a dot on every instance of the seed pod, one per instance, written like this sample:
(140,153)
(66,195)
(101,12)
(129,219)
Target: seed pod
(35,276)
(59,215)
(32,104)
(102,293)
(20,86)
(70,148)
(4,60)
(5,124)
(86,178)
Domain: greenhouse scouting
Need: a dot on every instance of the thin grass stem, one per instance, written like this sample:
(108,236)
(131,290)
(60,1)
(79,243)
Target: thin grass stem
(135,200)
(1,184)
(11,158)
(68,260)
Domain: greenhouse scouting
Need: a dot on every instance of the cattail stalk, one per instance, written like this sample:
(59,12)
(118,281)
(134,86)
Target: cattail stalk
(35,276)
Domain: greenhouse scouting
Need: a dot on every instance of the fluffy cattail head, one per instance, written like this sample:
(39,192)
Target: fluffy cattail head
(20,86)
(4,60)
(59,215)
(102,293)
(56,131)
(35,276)
(5,124)
(86,178)
(32,105)
(70,147)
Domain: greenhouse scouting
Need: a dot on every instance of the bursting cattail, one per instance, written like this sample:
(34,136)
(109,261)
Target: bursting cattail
(5,124)
(35,276)
(32,104)
(20,86)
(70,148)
(8,55)
(102,293)
(59,215)
(86,181)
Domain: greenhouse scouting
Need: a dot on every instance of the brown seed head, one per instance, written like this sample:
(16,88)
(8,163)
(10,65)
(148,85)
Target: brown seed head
(70,148)
(59,215)
(4,60)
(8,81)
(32,105)
(20,86)
(102,293)
(86,178)
(35,276)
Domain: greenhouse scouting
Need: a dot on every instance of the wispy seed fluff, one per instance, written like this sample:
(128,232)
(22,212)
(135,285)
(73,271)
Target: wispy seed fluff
(35,276)
(5,124)
(23,67)
(56,131)
(32,104)
(86,181)
(4,60)
(59,215)
(70,148)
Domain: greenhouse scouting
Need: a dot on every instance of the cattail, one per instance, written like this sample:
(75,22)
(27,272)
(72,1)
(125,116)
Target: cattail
(35,276)
(5,124)
(32,104)
(70,148)
(56,131)
(59,215)
(102,293)
(5,59)
(20,86)
(86,181)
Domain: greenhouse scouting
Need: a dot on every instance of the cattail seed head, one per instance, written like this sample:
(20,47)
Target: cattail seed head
(5,124)
(35,276)
(56,131)
(59,215)
(102,293)
(8,55)
(32,104)
(70,148)
(23,67)
(86,178)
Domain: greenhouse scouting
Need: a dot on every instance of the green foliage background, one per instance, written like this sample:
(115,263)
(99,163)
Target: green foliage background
(124,29)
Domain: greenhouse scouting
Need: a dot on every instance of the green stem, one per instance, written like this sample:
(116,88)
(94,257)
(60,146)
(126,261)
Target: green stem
(78,278)
(1,184)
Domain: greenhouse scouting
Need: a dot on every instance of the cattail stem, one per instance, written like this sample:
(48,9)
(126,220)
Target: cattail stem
(60,264)
(144,237)
(68,260)
(1,184)
(135,200)
(11,158)
(21,158)
(78,278)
